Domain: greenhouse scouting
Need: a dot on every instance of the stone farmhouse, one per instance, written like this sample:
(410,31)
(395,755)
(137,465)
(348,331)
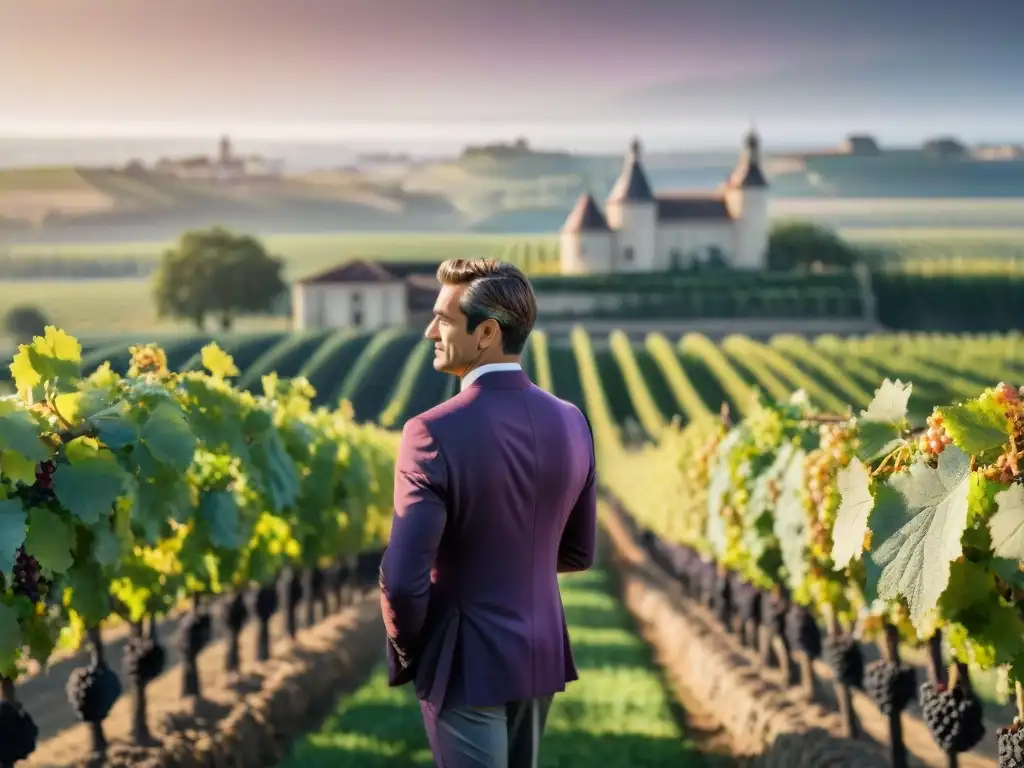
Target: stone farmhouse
(367,295)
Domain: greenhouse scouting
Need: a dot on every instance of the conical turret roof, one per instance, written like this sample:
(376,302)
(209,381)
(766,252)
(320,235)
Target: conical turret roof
(748,173)
(586,217)
(632,185)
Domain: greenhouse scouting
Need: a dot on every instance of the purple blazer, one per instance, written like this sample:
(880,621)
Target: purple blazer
(495,494)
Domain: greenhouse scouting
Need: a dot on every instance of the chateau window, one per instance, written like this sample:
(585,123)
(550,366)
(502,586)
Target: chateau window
(627,255)
(677,258)
(357,309)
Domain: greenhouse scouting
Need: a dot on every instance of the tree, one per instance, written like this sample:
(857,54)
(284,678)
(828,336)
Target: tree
(216,272)
(799,245)
(23,322)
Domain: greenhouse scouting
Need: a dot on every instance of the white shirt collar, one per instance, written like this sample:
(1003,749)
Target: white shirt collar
(476,373)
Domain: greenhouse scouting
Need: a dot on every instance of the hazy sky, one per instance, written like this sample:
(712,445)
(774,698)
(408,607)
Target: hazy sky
(696,69)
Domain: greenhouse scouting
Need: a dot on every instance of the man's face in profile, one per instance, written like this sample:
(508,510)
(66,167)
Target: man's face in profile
(455,350)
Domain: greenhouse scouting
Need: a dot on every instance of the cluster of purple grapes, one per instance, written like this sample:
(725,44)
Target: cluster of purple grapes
(41,491)
(26,575)
(28,580)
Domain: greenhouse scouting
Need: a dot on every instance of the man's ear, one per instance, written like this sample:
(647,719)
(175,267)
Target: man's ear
(490,333)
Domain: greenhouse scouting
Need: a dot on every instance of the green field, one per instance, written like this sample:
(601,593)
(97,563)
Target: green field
(307,254)
(388,375)
(108,306)
(617,715)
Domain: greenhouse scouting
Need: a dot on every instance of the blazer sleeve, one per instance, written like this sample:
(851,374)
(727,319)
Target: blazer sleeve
(578,545)
(420,514)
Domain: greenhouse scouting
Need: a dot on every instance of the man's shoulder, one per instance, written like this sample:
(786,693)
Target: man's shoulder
(464,406)
(452,409)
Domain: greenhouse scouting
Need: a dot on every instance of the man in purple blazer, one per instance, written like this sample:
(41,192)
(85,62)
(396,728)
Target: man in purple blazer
(495,495)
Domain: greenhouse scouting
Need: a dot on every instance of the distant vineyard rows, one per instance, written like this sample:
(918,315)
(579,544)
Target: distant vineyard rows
(388,376)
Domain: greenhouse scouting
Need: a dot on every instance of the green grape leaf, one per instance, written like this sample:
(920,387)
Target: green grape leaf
(10,638)
(890,402)
(80,405)
(220,512)
(90,596)
(218,362)
(40,638)
(281,476)
(50,539)
(790,522)
(914,542)
(106,547)
(877,438)
(1006,526)
(970,594)
(978,427)
(12,532)
(54,355)
(1008,570)
(89,484)
(855,504)
(115,427)
(167,436)
(19,432)
(18,468)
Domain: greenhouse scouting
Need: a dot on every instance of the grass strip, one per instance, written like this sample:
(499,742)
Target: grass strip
(617,715)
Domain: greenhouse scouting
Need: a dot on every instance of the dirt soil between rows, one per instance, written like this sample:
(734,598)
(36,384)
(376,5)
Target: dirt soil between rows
(767,722)
(326,660)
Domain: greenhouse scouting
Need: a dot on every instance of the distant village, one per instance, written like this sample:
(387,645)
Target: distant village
(225,166)
(942,147)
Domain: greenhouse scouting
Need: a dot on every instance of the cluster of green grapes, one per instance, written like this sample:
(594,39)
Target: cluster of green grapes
(700,468)
(821,500)
(1006,468)
(936,438)
(147,358)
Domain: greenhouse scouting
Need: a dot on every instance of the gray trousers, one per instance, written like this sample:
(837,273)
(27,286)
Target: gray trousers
(487,737)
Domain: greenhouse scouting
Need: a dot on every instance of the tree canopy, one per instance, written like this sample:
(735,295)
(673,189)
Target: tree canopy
(219,273)
(23,322)
(800,245)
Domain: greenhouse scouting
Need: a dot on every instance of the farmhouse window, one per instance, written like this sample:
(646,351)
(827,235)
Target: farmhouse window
(357,309)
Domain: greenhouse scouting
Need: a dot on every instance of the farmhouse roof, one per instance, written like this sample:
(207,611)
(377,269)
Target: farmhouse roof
(585,217)
(410,268)
(632,185)
(686,207)
(421,291)
(355,271)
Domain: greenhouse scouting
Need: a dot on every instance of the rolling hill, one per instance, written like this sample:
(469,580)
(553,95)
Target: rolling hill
(526,193)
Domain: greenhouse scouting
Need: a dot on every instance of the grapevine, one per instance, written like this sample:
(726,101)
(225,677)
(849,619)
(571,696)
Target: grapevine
(125,495)
(880,527)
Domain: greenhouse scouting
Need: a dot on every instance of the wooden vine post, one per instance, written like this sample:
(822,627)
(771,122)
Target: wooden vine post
(891,653)
(843,663)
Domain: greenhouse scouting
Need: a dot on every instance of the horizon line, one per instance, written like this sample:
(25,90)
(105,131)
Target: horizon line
(378,132)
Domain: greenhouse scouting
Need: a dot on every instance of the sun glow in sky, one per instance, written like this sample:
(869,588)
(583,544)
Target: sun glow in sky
(407,68)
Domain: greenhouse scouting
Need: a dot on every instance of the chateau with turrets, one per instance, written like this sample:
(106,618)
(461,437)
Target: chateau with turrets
(640,231)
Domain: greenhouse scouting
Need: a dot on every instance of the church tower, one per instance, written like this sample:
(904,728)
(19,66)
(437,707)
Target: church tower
(746,197)
(633,214)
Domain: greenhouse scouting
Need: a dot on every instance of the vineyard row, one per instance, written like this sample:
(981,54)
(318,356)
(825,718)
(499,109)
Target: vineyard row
(811,530)
(388,375)
(126,495)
